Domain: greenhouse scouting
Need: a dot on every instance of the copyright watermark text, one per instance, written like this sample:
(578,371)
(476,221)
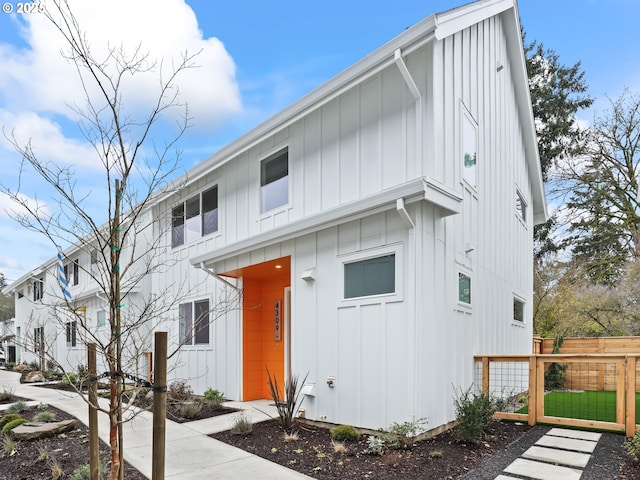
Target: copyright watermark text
(22,8)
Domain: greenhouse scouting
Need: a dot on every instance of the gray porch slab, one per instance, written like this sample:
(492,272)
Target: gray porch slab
(542,471)
(562,457)
(585,446)
(578,434)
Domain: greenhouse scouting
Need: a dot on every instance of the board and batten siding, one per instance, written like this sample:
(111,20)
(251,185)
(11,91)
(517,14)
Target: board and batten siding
(466,77)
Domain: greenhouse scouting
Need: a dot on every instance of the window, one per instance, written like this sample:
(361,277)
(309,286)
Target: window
(38,340)
(194,323)
(71,272)
(20,293)
(464,288)
(521,207)
(101,318)
(372,276)
(38,289)
(518,310)
(274,181)
(469,149)
(71,333)
(194,218)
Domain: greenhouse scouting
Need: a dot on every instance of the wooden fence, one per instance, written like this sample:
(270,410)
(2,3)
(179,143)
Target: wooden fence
(595,377)
(503,376)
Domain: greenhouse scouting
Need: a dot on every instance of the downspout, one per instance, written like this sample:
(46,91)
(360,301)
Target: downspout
(411,225)
(417,97)
(203,267)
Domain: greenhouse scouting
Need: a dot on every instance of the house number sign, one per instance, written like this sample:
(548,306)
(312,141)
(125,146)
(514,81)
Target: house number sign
(277,320)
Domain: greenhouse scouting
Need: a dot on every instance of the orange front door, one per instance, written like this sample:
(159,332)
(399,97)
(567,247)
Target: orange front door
(263,326)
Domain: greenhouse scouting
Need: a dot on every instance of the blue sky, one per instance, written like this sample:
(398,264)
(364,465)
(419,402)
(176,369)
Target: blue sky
(258,57)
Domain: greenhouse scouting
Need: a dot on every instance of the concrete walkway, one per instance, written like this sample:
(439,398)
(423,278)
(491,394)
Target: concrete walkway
(560,454)
(190,453)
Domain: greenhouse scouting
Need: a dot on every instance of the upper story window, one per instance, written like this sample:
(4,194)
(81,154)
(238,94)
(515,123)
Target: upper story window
(521,207)
(72,272)
(194,218)
(518,309)
(469,149)
(274,181)
(38,289)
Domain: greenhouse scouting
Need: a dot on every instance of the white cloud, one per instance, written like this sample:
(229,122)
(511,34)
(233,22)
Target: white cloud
(46,138)
(40,79)
(10,208)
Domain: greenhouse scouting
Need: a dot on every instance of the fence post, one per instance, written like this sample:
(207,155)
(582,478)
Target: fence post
(485,376)
(159,405)
(533,397)
(539,388)
(630,388)
(92,387)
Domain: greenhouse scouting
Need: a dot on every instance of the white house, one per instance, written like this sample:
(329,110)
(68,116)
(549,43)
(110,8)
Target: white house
(379,230)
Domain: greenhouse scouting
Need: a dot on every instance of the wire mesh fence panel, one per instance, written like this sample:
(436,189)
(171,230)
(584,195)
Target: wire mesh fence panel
(508,384)
(581,391)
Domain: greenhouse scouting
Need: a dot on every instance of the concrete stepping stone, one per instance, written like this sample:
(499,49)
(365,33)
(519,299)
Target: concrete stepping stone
(585,446)
(542,471)
(578,434)
(562,457)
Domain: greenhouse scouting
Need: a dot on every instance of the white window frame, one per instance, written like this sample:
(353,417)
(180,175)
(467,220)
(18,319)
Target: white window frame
(460,305)
(264,212)
(521,207)
(197,219)
(104,319)
(382,251)
(465,116)
(520,299)
(191,343)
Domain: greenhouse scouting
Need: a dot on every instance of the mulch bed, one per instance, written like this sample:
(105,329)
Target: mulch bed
(36,459)
(441,457)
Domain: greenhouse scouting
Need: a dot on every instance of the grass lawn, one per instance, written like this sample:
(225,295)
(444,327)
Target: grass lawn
(587,405)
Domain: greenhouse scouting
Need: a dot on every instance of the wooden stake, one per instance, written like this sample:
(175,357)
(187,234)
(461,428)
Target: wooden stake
(94,442)
(159,405)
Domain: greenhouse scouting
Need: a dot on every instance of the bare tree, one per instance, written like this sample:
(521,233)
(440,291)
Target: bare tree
(126,249)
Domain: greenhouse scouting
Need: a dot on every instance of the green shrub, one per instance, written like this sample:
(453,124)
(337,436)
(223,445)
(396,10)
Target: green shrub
(345,433)
(84,472)
(214,398)
(17,407)
(473,414)
(375,445)
(402,435)
(632,446)
(13,424)
(44,417)
(69,379)
(8,418)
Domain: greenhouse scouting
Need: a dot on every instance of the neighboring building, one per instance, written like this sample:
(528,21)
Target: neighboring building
(380,230)
(8,351)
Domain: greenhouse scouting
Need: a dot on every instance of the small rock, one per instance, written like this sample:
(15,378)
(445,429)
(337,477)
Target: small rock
(35,431)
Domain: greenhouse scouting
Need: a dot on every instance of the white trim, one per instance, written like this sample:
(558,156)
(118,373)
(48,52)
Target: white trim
(414,190)
(459,305)
(521,299)
(375,252)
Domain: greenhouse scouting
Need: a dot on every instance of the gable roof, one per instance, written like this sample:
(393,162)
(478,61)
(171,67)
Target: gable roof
(433,27)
